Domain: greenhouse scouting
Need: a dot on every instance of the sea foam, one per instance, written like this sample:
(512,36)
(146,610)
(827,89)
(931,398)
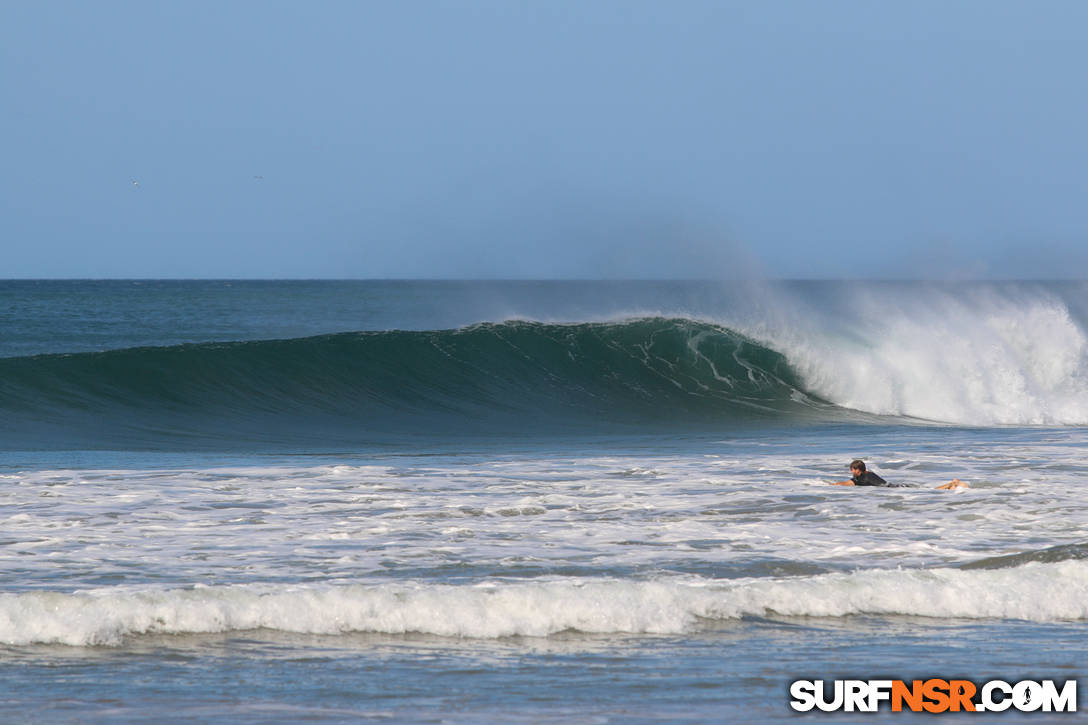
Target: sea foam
(1035,591)
(977,356)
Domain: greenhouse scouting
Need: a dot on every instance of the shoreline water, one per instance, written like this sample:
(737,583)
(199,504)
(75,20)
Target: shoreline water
(736,672)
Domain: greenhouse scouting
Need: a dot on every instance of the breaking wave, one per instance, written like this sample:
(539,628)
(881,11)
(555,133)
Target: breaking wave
(978,359)
(1035,591)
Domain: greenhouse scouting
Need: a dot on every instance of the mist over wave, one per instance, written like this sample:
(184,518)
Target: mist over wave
(1034,591)
(981,354)
(975,355)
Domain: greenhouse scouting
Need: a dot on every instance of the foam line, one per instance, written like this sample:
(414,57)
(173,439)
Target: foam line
(1035,591)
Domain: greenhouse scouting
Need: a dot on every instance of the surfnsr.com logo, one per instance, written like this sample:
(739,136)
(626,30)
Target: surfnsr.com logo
(934,695)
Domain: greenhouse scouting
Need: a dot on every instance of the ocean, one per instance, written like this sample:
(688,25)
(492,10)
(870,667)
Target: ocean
(575,502)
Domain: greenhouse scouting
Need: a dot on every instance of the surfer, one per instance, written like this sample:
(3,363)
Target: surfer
(862,477)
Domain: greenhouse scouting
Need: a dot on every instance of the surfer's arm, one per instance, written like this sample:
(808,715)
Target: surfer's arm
(842,483)
(954,483)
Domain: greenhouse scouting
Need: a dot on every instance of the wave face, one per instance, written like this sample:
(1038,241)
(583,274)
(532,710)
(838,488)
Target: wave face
(975,355)
(488,378)
(1034,592)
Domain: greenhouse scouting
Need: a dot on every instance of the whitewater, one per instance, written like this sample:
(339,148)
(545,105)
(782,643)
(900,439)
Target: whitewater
(523,501)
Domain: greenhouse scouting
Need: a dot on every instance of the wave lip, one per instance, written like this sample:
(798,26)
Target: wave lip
(1034,591)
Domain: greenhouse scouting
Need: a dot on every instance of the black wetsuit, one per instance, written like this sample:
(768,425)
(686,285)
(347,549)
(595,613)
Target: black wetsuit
(869,479)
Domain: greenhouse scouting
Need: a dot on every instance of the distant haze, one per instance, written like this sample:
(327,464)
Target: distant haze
(564,139)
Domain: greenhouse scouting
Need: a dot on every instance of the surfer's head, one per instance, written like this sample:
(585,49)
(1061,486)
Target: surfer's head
(857,466)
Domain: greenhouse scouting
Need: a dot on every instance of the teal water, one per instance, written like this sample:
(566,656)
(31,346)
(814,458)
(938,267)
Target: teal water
(538,502)
(348,388)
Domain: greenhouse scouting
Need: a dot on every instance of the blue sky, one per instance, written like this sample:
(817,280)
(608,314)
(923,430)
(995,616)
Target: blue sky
(543,139)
